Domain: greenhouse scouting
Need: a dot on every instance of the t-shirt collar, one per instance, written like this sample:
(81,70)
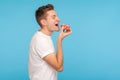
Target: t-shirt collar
(41,33)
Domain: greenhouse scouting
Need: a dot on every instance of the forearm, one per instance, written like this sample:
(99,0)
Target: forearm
(59,54)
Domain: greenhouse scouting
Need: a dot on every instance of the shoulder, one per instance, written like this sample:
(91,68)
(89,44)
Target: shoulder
(38,37)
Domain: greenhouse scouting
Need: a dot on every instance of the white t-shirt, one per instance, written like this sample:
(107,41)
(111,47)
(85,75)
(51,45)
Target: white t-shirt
(41,45)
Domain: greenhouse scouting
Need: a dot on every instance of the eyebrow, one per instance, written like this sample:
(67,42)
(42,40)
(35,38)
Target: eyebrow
(54,15)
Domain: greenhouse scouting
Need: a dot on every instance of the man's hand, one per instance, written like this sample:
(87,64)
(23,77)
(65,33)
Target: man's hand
(65,31)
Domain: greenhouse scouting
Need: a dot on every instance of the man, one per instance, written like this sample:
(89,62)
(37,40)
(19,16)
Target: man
(44,63)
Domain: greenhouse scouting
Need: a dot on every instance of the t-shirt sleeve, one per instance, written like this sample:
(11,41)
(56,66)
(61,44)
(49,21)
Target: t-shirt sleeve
(44,47)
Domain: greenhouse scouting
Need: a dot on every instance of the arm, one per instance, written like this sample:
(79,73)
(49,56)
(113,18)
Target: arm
(56,60)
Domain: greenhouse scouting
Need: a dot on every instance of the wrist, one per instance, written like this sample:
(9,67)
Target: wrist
(60,38)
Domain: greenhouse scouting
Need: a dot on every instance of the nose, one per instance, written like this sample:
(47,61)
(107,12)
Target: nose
(58,19)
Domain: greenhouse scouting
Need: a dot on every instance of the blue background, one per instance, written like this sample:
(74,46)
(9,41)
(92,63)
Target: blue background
(91,52)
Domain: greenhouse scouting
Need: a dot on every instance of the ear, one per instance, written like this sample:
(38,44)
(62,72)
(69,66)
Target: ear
(43,22)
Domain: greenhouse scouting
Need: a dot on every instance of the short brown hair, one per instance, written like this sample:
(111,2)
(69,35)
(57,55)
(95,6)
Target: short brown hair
(41,12)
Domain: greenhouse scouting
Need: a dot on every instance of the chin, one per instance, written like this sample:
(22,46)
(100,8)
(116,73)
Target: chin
(57,30)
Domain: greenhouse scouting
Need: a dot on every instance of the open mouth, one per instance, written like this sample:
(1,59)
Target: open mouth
(57,25)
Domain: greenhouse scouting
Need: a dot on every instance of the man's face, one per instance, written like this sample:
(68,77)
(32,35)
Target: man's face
(52,21)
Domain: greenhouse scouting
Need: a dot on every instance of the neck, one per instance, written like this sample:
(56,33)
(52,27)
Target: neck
(46,32)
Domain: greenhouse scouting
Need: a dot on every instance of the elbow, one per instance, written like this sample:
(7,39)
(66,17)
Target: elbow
(59,69)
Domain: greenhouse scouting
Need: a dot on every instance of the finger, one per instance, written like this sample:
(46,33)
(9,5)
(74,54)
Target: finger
(63,26)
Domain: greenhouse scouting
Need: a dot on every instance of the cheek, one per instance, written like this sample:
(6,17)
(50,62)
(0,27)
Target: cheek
(50,21)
